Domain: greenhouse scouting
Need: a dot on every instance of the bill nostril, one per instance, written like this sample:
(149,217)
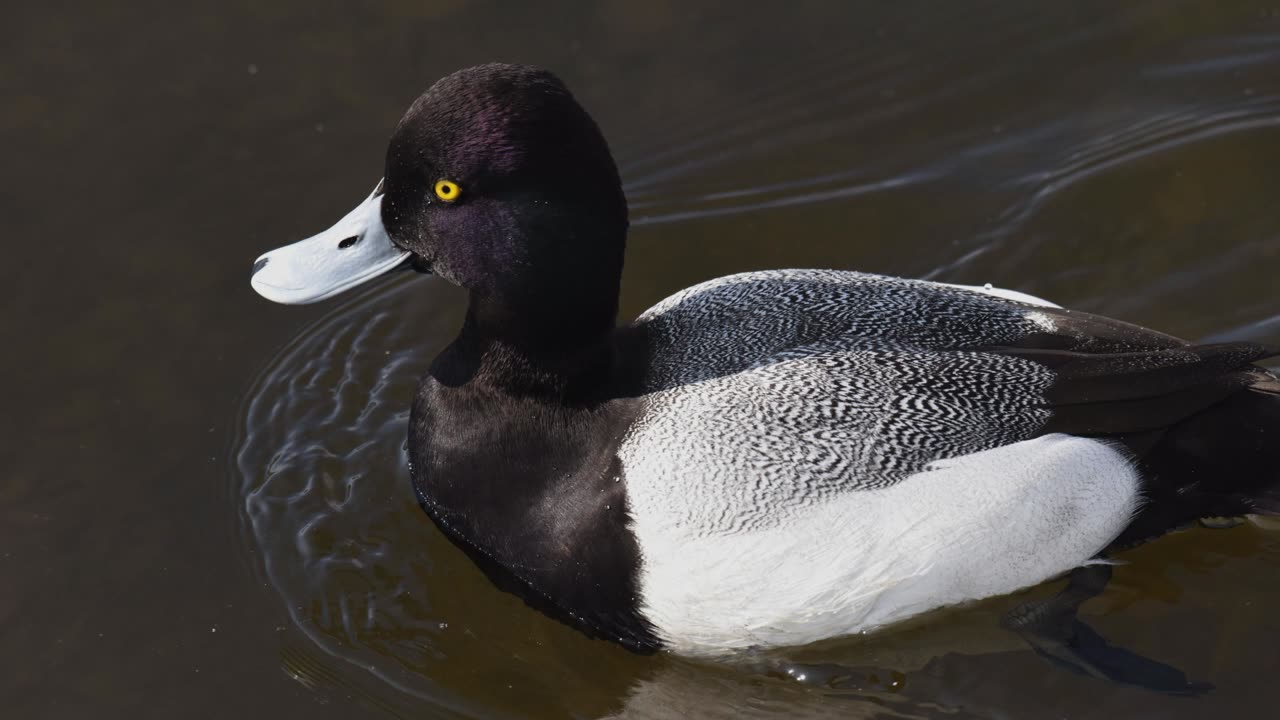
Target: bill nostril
(261,263)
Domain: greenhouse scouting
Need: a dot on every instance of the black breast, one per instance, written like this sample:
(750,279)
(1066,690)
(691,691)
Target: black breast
(532,490)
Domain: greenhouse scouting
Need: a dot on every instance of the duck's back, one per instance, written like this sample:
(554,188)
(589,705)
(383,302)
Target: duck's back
(825,382)
(823,452)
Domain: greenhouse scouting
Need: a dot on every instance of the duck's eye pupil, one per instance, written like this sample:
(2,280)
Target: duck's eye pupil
(348,242)
(447,190)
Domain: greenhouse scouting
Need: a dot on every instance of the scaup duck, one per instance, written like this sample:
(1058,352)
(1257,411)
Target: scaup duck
(770,458)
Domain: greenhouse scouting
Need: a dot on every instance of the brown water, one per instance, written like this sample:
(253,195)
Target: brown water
(204,510)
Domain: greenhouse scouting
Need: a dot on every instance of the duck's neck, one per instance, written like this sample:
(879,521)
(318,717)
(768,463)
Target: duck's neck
(558,347)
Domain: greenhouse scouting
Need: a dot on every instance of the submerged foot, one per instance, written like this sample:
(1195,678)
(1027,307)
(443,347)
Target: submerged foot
(1053,629)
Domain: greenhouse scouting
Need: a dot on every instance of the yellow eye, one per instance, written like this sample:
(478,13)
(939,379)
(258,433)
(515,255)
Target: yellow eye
(447,190)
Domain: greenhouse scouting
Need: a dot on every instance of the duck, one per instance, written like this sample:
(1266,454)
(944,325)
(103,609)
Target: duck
(770,458)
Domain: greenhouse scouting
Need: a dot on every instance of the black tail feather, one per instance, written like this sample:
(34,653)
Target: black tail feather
(1222,461)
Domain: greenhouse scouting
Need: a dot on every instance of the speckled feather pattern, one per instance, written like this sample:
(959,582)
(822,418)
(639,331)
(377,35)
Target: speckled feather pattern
(788,388)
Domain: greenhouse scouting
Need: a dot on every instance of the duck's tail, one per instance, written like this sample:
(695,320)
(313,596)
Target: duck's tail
(1223,461)
(1259,417)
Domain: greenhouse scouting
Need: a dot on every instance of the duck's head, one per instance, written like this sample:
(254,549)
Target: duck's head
(497,180)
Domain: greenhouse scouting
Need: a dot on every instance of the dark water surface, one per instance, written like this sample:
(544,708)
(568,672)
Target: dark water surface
(204,506)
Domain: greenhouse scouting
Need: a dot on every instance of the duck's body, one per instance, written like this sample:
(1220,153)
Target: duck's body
(777,457)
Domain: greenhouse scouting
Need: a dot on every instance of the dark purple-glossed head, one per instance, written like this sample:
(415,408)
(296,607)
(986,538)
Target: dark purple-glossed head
(537,207)
(497,180)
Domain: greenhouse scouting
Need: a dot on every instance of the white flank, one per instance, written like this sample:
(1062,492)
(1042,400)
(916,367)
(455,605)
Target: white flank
(971,527)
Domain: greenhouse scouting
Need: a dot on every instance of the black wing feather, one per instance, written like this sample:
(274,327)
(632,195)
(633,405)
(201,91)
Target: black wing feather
(1115,378)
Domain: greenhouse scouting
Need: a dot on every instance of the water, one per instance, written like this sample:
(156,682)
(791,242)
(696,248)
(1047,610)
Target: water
(205,508)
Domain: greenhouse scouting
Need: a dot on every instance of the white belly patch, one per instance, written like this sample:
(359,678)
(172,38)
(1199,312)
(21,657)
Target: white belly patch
(971,527)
